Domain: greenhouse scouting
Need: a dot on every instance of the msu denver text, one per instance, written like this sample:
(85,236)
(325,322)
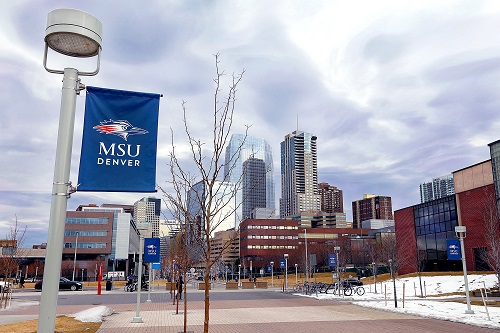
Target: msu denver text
(122,149)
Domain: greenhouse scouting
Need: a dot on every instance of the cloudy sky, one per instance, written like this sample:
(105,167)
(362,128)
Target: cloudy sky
(397,92)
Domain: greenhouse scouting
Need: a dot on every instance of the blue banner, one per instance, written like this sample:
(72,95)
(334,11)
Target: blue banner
(151,249)
(119,141)
(453,249)
(282,263)
(332,260)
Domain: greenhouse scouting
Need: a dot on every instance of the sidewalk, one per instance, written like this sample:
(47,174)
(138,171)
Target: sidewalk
(294,314)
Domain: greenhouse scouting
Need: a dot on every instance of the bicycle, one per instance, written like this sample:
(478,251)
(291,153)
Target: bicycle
(359,290)
(298,287)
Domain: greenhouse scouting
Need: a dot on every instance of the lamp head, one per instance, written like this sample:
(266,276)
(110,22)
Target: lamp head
(73,33)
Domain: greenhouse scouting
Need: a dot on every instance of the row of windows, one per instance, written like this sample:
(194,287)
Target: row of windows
(86,220)
(272,227)
(436,228)
(437,218)
(85,232)
(273,247)
(85,245)
(269,237)
(441,207)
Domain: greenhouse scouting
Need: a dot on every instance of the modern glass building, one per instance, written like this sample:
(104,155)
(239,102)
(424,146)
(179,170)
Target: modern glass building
(240,148)
(254,185)
(495,166)
(299,174)
(222,207)
(435,222)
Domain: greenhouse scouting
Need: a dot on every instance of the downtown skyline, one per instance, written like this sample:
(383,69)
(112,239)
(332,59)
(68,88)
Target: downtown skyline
(396,94)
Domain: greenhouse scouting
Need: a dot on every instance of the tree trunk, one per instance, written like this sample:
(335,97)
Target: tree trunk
(207,300)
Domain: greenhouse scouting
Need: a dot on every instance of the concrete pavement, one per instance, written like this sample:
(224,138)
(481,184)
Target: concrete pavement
(243,314)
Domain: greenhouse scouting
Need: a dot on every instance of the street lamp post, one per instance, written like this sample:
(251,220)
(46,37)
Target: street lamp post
(296,279)
(138,318)
(460,230)
(374,268)
(74,259)
(393,284)
(337,250)
(239,275)
(286,271)
(272,273)
(76,34)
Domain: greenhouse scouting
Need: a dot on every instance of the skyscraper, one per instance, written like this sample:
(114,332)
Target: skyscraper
(332,200)
(253,186)
(371,207)
(147,213)
(222,207)
(299,174)
(240,149)
(440,187)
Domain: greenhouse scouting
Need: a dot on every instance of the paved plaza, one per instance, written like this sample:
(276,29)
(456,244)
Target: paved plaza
(238,311)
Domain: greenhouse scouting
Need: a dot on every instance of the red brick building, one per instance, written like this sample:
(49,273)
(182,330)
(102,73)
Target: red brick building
(422,230)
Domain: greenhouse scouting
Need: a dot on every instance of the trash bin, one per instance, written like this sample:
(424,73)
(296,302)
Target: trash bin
(109,285)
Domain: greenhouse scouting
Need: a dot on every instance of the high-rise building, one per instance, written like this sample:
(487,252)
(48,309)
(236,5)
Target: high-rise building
(332,200)
(240,148)
(439,187)
(253,185)
(147,212)
(222,208)
(299,174)
(371,207)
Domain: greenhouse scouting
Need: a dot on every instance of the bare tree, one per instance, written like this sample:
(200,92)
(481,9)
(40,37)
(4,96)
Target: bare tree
(491,254)
(202,203)
(14,252)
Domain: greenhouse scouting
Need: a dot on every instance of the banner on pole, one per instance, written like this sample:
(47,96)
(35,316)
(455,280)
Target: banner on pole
(453,246)
(151,250)
(332,260)
(119,141)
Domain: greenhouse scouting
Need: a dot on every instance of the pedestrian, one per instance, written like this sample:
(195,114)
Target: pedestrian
(21,282)
(181,282)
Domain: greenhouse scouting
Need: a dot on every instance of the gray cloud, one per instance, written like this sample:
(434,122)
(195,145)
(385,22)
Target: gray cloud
(395,97)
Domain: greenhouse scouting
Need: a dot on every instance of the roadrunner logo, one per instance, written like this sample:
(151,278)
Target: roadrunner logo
(121,128)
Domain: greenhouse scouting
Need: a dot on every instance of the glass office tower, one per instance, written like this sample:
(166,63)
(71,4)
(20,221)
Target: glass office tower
(239,150)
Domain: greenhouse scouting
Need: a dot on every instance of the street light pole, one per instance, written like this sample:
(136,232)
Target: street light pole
(74,259)
(460,230)
(286,271)
(239,275)
(77,34)
(296,279)
(138,318)
(337,250)
(272,273)
(393,284)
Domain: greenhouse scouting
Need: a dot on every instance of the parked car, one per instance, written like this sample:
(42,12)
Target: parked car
(4,285)
(64,284)
(353,282)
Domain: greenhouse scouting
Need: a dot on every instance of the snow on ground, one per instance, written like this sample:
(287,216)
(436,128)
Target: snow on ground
(93,315)
(439,307)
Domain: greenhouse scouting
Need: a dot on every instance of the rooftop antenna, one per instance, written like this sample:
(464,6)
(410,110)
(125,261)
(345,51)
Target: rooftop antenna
(297,123)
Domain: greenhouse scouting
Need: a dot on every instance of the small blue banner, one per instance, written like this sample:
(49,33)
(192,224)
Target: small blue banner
(151,249)
(269,269)
(282,263)
(332,260)
(156,265)
(453,249)
(119,141)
